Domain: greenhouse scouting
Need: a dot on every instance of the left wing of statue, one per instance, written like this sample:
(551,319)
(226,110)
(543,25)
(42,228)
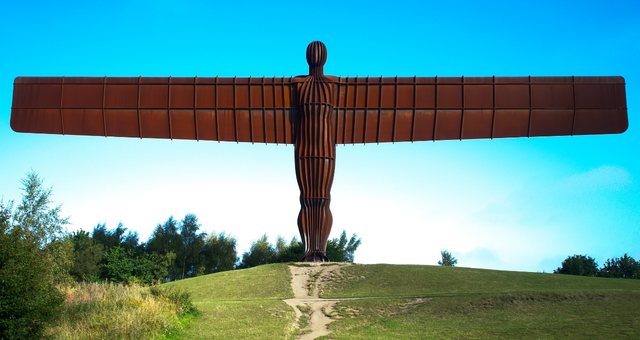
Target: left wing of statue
(259,110)
(398,109)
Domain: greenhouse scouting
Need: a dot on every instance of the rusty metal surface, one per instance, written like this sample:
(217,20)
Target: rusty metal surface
(385,109)
(316,112)
(315,151)
(221,109)
(367,110)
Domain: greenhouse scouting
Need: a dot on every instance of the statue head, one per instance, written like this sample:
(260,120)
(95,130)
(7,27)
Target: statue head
(316,57)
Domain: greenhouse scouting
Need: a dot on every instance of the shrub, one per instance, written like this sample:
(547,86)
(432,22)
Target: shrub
(28,296)
(578,265)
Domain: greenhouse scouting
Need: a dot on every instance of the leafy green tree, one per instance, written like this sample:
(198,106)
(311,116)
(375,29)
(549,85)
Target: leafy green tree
(130,241)
(87,257)
(192,245)
(122,265)
(165,240)
(582,265)
(29,299)
(219,253)
(625,267)
(5,217)
(118,237)
(59,254)
(261,252)
(39,222)
(34,257)
(447,260)
(291,252)
(152,268)
(108,238)
(119,265)
(342,249)
(42,224)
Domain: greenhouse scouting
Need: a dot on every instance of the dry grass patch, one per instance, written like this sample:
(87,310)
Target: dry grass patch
(116,311)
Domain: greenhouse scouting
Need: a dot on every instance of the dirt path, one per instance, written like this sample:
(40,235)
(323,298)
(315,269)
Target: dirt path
(307,281)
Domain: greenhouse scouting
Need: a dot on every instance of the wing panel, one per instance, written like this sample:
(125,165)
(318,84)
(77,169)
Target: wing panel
(222,109)
(477,107)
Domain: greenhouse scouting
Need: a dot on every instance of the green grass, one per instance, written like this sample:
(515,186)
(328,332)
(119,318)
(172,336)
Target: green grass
(245,303)
(116,311)
(415,302)
(412,280)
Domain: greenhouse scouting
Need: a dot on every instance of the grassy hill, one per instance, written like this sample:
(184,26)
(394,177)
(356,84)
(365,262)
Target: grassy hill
(392,301)
(243,303)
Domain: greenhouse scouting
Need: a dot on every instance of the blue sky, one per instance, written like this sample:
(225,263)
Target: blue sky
(517,204)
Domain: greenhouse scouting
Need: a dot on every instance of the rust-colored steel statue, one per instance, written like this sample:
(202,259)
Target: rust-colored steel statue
(316,112)
(315,154)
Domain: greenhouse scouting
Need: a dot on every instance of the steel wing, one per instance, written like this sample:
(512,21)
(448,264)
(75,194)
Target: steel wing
(259,110)
(398,109)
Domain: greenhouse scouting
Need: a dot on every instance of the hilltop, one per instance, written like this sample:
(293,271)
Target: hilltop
(409,301)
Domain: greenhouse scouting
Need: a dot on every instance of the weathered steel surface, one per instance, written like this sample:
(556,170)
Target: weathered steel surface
(222,109)
(367,110)
(316,112)
(385,109)
(315,150)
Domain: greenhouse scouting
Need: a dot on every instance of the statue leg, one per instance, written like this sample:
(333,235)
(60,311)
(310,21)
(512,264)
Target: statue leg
(315,176)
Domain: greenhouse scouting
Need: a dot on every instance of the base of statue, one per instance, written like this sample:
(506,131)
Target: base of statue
(315,256)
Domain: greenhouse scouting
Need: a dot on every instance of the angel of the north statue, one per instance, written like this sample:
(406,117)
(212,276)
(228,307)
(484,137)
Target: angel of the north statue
(315,112)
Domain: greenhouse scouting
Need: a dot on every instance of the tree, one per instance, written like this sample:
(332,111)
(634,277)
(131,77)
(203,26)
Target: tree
(152,268)
(447,259)
(582,265)
(29,299)
(341,250)
(118,237)
(42,224)
(261,252)
(291,252)
(166,240)
(34,258)
(34,216)
(192,244)
(219,253)
(87,257)
(122,265)
(119,265)
(625,267)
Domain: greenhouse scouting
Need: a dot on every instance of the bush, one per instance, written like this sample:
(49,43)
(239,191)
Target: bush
(182,300)
(447,260)
(28,296)
(578,265)
(625,267)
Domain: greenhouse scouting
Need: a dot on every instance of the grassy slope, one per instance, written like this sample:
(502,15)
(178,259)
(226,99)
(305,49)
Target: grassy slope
(241,303)
(421,302)
(427,301)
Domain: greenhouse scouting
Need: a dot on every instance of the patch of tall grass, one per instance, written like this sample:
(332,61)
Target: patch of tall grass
(117,311)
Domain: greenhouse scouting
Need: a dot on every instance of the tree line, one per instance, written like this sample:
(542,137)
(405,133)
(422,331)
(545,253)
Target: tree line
(37,256)
(177,250)
(625,267)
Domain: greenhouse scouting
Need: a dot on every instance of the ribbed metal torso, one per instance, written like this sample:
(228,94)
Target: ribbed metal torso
(315,153)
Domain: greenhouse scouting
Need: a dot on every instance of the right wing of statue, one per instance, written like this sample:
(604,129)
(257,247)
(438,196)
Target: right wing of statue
(398,109)
(258,110)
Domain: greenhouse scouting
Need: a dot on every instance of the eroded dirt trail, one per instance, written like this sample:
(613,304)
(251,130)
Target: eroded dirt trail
(312,312)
